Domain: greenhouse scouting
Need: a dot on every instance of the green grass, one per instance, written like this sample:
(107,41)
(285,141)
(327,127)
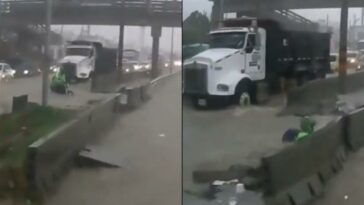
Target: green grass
(30,124)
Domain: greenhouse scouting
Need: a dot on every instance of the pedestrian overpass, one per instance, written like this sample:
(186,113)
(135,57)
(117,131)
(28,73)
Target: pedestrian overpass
(239,5)
(96,12)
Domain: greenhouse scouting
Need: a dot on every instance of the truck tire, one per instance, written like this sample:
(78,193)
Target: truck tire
(243,94)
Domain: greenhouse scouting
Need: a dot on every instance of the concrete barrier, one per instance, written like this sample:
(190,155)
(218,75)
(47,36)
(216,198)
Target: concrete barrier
(298,173)
(140,93)
(110,82)
(129,77)
(104,83)
(155,83)
(49,157)
(355,129)
(134,96)
(320,96)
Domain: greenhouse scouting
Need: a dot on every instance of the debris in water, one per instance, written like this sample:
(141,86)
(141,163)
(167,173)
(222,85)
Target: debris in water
(346,197)
(162,135)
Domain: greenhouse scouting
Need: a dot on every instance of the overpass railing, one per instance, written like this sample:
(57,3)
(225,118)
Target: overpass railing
(295,17)
(153,6)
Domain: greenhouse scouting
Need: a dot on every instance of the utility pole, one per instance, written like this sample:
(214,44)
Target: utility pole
(142,41)
(171,57)
(48,7)
(221,14)
(88,30)
(343,46)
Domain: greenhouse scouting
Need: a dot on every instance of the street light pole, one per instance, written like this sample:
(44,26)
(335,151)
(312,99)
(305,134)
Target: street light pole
(221,14)
(46,53)
(343,46)
(171,57)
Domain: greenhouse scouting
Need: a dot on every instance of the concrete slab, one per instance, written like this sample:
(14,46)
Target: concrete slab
(98,156)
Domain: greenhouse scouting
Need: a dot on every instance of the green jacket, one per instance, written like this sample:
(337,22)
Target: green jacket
(58,79)
(307,128)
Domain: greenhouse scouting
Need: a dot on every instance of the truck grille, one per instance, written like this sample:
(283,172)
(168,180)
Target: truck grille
(195,79)
(70,71)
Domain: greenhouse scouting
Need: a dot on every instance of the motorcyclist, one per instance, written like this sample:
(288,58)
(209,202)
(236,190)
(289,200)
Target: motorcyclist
(59,83)
(307,126)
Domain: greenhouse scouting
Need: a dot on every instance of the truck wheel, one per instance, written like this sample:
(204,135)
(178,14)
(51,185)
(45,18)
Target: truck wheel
(243,95)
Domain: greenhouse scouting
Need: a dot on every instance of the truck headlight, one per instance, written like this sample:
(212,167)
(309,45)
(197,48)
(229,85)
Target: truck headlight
(218,68)
(55,68)
(166,65)
(127,70)
(222,87)
(352,60)
(25,72)
(147,66)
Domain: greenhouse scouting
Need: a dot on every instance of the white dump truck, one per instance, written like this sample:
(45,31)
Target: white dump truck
(246,52)
(79,60)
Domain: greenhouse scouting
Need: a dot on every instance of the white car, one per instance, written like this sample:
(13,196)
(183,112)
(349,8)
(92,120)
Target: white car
(6,72)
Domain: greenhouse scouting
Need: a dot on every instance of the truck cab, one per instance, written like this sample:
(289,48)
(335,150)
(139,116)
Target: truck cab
(248,58)
(235,59)
(79,61)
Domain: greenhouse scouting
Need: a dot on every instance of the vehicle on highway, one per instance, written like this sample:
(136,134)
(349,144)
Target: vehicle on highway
(352,59)
(360,62)
(6,72)
(145,65)
(175,64)
(334,62)
(131,61)
(80,58)
(248,52)
(23,67)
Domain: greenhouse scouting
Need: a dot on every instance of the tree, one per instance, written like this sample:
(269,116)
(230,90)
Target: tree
(195,28)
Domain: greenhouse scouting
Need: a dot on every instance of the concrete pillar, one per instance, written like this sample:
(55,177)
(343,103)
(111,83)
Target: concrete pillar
(343,46)
(156,33)
(120,52)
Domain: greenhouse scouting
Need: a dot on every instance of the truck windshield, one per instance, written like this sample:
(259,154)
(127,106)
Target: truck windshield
(78,52)
(227,40)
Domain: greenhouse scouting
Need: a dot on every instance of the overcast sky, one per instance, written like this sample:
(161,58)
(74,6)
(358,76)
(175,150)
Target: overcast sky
(312,14)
